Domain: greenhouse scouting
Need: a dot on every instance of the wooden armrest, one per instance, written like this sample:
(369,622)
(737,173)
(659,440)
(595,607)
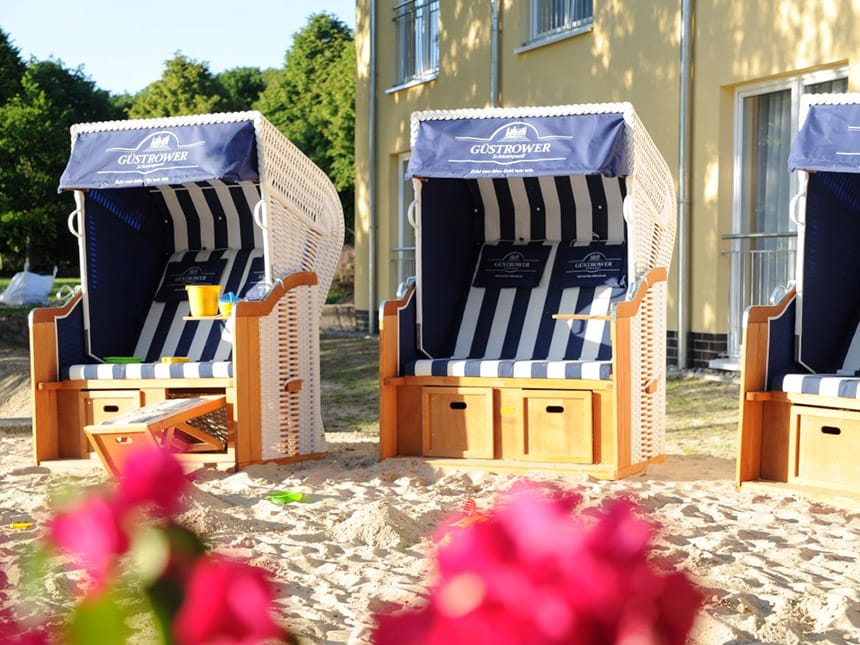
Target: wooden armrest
(561,316)
(629,308)
(763,313)
(49,314)
(259,308)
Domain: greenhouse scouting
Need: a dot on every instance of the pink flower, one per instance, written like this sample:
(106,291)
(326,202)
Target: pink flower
(152,476)
(92,533)
(532,573)
(226,602)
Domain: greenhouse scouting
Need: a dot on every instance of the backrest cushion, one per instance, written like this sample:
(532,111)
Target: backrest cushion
(166,333)
(517,322)
(508,264)
(599,264)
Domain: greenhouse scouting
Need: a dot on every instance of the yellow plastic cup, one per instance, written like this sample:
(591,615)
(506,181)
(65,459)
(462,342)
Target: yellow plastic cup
(225,307)
(203,299)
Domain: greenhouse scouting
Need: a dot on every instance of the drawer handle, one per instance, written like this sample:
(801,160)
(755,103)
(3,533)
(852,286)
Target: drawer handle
(111,408)
(458,405)
(834,430)
(123,440)
(555,409)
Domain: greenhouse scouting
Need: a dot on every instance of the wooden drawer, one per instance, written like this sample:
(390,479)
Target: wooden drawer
(457,422)
(826,447)
(557,426)
(101,405)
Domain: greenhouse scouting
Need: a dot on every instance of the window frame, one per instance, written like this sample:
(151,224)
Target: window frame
(422,47)
(537,38)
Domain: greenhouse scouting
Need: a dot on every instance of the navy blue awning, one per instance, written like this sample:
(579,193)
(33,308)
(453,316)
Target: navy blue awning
(520,147)
(829,140)
(162,156)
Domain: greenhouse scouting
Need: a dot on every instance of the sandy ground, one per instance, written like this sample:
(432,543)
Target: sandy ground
(776,568)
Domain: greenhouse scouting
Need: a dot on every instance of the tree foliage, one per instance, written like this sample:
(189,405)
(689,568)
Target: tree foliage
(34,148)
(34,141)
(312,101)
(185,87)
(242,87)
(11,68)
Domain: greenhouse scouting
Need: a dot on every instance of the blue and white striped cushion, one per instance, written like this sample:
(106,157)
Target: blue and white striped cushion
(166,333)
(212,214)
(204,369)
(208,343)
(510,332)
(822,384)
(540,208)
(597,370)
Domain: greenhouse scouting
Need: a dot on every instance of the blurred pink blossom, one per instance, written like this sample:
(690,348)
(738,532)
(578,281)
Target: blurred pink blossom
(93,535)
(533,574)
(226,602)
(152,477)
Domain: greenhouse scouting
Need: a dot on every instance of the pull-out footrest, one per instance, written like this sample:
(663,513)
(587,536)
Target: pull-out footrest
(173,423)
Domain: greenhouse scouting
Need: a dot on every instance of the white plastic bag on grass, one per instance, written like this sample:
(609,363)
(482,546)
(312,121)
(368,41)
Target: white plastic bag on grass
(27,288)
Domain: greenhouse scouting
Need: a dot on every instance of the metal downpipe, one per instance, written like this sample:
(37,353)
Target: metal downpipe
(372,314)
(494,53)
(684,138)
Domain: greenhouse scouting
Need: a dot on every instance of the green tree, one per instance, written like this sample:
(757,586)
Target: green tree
(312,102)
(242,87)
(34,144)
(185,87)
(34,149)
(74,91)
(11,68)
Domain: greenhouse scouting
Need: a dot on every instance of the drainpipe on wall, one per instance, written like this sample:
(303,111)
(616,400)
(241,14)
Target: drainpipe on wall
(685,136)
(372,314)
(494,53)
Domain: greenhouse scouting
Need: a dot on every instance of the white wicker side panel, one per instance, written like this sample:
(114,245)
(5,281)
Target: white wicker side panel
(648,358)
(289,338)
(270,422)
(311,432)
(637,431)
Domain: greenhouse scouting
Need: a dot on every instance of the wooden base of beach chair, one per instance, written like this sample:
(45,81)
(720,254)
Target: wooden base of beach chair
(168,424)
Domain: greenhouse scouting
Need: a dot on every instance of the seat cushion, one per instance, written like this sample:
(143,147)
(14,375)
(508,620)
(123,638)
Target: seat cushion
(202,369)
(594,370)
(823,384)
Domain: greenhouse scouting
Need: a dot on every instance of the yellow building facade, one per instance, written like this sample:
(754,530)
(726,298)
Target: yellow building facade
(748,65)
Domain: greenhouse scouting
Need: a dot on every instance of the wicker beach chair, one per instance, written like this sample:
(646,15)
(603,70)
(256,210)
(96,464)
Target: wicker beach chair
(535,332)
(800,383)
(221,199)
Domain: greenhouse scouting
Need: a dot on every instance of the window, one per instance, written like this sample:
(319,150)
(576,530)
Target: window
(559,17)
(403,253)
(417,26)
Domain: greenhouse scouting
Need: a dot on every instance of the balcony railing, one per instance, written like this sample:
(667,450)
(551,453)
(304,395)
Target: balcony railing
(403,258)
(761,262)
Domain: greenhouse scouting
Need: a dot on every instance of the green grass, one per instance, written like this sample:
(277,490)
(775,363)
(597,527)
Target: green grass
(701,413)
(349,368)
(702,416)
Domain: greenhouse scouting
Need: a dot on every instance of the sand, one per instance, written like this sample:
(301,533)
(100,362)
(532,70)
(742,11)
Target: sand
(776,568)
